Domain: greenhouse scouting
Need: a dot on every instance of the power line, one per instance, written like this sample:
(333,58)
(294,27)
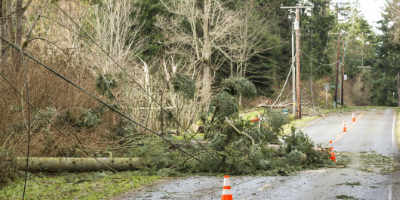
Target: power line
(283,88)
(121,67)
(28,125)
(4,78)
(298,54)
(315,60)
(96,98)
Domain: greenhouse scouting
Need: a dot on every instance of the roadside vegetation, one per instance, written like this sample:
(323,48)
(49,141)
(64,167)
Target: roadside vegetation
(90,185)
(169,81)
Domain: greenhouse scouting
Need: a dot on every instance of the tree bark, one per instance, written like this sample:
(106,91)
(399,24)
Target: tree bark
(2,24)
(55,164)
(18,35)
(206,55)
(398,89)
(206,84)
(9,22)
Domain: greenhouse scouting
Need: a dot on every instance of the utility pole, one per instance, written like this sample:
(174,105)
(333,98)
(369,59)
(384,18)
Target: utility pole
(293,74)
(298,52)
(293,69)
(298,38)
(342,89)
(337,70)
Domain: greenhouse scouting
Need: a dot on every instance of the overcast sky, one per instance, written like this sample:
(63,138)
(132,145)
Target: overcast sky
(372,10)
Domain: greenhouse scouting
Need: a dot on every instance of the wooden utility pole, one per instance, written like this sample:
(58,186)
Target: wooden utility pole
(293,74)
(337,70)
(342,89)
(298,55)
(298,52)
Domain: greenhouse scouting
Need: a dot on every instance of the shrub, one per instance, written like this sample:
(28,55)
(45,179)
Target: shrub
(124,128)
(89,119)
(223,105)
(300,142)
(239,86)
(43,118)
(8,170)
(104,85)
(81,118)
(184,85)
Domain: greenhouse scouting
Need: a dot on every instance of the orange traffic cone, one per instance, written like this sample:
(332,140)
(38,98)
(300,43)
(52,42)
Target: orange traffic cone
(344,127)
(333,156)
(353,118)
(226,190)
(255,120)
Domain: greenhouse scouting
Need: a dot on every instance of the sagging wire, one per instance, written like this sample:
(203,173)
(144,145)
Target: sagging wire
(92,96)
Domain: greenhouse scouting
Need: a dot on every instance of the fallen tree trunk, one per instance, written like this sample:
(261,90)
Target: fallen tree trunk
(56,164)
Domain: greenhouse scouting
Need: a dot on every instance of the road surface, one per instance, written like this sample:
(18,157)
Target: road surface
(372,135)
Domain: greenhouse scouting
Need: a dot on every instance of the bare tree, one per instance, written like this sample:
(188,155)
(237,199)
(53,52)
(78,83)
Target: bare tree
(246,41)
(210,27)
(213,34)
(17,30)
(118,33)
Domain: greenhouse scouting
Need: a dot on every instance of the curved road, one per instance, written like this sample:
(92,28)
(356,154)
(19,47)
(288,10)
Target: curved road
(373,132)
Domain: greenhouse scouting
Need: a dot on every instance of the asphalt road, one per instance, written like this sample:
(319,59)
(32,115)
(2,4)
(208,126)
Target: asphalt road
(373,133)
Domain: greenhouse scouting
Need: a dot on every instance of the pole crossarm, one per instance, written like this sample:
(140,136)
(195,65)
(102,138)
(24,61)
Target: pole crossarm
(296,74)
(295,7)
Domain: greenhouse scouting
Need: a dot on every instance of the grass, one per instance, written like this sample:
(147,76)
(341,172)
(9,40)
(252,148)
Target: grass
(307,119)
(298,123)
(198,136)
(352,184)
(343,158)
(287,128)
(88,185)
(345,197)
(373,162)
(248,115)
(350,109)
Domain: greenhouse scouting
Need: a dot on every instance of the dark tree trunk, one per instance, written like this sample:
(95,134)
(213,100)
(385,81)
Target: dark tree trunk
(398,89)
(18,34)
(2,20)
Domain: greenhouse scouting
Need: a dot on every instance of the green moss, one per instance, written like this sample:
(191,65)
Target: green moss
(94,185)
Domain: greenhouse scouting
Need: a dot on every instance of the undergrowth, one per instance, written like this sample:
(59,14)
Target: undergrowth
(8,171)
(90,185)
(233,145)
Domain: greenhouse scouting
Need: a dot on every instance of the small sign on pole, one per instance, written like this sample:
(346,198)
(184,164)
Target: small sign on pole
(345,77)
(296,25)
(326,86)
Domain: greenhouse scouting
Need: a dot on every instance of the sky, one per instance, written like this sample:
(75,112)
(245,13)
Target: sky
(372,10)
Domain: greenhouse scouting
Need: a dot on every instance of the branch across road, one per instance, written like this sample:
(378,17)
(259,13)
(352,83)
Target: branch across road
(367,143)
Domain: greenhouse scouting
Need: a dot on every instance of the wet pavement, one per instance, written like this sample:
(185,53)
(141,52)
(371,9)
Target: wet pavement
(373,132)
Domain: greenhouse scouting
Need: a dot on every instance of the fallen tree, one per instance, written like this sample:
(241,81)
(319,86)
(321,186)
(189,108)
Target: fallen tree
(57,164)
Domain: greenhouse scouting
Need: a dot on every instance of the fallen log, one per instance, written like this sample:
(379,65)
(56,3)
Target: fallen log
(58,164)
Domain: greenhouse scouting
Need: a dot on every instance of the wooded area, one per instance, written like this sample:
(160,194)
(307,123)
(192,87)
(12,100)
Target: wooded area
(140,78)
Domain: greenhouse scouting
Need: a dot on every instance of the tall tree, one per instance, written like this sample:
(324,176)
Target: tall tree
(385,77)
(207,34)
